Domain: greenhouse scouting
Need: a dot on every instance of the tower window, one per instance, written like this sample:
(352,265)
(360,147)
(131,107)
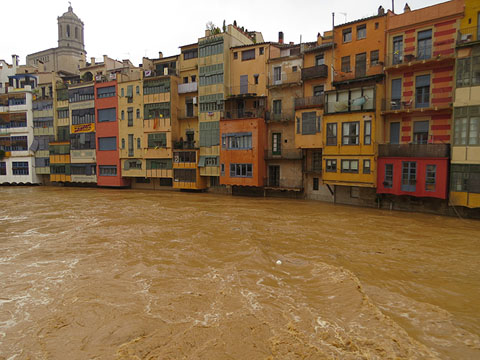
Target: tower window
(76,32)
(68,30)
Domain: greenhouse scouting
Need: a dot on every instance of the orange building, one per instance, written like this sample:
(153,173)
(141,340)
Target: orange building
(419,69)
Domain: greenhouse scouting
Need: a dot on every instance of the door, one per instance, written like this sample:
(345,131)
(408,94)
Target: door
(360,65)
(397,55)
(276,143)
(395,102)
(240,109)
(274,175)
(243,84)
(394,133)
(409,176)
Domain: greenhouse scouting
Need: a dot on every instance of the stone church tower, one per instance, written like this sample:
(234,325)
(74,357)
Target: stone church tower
(70,55)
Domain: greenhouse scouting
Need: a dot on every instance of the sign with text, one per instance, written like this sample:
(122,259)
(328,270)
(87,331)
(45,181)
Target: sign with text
(82,128)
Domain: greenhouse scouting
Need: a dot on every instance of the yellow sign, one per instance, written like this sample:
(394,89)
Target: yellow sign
(82,128)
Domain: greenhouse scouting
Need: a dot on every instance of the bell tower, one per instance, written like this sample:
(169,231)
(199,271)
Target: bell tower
(70,31)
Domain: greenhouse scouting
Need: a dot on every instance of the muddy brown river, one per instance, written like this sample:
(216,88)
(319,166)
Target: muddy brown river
(123,274)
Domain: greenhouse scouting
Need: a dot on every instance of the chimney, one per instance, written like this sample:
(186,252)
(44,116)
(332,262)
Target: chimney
(406,8)
(160,55)
(15,60)
(280,37)
(92,61)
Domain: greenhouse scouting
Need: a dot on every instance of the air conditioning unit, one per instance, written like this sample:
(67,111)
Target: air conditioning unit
(195,100)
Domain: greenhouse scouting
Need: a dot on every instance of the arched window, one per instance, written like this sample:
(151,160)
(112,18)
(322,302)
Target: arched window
(122,92)
(138,113)
(138,90)
(138,143)
(59,31)
(76,32)
(123,143)
(68,30)
(123,114)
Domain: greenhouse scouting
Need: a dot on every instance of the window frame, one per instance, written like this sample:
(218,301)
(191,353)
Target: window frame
(331,165)
(349,170)
(361,32)
(367,135)
(330,127)
(367,169)
(349,136)
(347,35)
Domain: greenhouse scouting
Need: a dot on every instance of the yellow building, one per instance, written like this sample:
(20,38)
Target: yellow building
(130,127)
(213,68)
(309,109)
(186,157)
(465,161)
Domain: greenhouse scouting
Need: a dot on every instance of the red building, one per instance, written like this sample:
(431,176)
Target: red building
(109,171)
(420,63)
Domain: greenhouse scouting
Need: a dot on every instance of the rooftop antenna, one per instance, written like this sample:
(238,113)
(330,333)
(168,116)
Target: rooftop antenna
(344,14)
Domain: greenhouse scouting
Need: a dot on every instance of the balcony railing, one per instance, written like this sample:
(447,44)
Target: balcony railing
(165,72)
(314,72)
(187,88)
(243,90)
(410,105)
(285,79)
(307,102)
(286,154)
(422,55)
(285,115)
(414,150)
(243,113)
(184,145)
(468,35)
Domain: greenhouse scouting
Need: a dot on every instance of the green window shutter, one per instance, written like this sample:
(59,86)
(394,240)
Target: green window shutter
(130,91)
(201,162)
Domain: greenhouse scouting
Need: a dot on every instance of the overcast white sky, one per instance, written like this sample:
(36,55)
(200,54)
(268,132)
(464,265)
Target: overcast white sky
(132,29)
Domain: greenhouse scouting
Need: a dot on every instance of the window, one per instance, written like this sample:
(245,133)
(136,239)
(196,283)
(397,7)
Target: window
(83,116)
(409,176)
(308,123)
(361,32)
(63,113)
(420,132)
(332,134)
(424,46)
(319,59)
(185,175)
(318,90)
(107,170)
(130,145)
(241,170)
(194,78)
(255,79)
(138,113)
(397,50)
(260,51)
(105,115)
(20,168)
(235,55)
(105,92)
(83,141)
(3,168)
(294,68)
(123,143)
(157,164)
(374,57)
(349,166)
(331,165)
(346,64)
(190,54)
(81,94)
(139,145)
(376,26)
(367,134)
(360,65)
(137,90)
(122,92)
(185,79)
(133,164)
(467,126)
(123,115)
(276,143)
(222,169)
(388,179)
(18,143)
(350,133)
(68,30)
(238,141)
(465,177)
(315,184)
(248,54)
(430,178)
(189,107)
(347,35)
(277,73)
(395,102)
(130,116)
(317,160)
(277,107)
(184,157)
(366,166)
(157,140)
(422,91)
(468,70)
(107,143)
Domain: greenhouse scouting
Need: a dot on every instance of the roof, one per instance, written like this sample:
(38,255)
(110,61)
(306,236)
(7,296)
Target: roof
(360,20)
(193,44)
(247,45)
(319,47)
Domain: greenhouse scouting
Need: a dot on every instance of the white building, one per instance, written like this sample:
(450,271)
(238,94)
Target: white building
(17,162)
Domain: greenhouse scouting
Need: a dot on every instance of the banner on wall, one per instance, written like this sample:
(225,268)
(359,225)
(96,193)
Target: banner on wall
(82,128)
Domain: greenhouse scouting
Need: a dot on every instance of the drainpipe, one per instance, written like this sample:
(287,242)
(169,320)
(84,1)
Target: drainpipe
(333,46)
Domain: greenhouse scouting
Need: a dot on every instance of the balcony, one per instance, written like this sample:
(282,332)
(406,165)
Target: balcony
(409,105)
(309,102)
(284,116)
(246,90)
(426,56)
(184,145)
(414,150)
(315,72)
(285,79)
(284,154)
(187,88)
(244,113)
(468,35)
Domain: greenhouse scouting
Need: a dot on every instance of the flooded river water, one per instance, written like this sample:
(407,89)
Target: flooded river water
(122,274)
